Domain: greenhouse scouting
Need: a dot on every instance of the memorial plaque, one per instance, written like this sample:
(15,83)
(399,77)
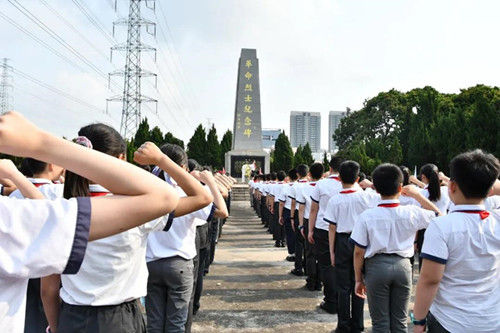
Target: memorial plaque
(247,129)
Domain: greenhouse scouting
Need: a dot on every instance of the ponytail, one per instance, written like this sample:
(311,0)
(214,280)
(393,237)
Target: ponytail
(406,175)
(431,172)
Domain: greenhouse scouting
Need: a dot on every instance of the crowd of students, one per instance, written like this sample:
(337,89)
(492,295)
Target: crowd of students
(356,237)
(85,235)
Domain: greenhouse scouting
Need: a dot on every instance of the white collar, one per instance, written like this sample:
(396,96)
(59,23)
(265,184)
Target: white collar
(39,181)
(467,207)
(96,188)
(391,201)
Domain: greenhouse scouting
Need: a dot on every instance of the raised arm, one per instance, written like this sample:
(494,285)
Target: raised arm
(207,178)
(413,192)
(9,171)
(140,196)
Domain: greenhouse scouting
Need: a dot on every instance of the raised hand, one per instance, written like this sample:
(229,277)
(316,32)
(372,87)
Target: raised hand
(7,169)
(148,154)
(18,136)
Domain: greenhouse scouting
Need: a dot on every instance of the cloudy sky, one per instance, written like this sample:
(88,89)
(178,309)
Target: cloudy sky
(315,55)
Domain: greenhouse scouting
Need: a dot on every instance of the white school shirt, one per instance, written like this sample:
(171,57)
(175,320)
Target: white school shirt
(443,204)
(46,187)
(303,197)
(114,269)
(285,195)
(491,203)
(390,230)
(180,239)
(344,208)
(323,190)
(468,297)
(296,187)
(275,191)
(38,238)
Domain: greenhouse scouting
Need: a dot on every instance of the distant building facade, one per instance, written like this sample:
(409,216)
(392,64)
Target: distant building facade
(305,127)
(269,136)
(334,118)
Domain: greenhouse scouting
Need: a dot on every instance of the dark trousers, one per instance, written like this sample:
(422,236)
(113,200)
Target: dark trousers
(299,244)
(326,270)
(433,326)
(311,262)
(213,235)
(290,234)
(263,209)
(350,306)
(125,317)
(35,320)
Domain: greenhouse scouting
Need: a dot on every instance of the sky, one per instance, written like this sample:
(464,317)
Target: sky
(314,55)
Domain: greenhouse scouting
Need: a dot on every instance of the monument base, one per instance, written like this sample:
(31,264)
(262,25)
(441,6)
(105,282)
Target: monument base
(235,159)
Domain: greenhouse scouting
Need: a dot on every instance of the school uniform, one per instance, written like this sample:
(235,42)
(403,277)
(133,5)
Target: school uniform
(303,197)
(287,197)
(104,295)
(491,203)
(38,238)
(322,192)
(278,229)
(387,233)
(169,259)
(263,204)
(343,211)
(296,236)
(35,320)
(467,242)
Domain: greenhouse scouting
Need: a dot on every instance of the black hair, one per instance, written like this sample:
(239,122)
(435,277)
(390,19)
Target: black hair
(475,172)
(30,167)
(207,168)
(362,176)
(387,178)
(406,174)
(193,165)
(104,139)
(349,172)
(273,175)
(302,170)
(268,177)
(281,175)
(292,174)
(175,153)
(316,170)
(431,172)
(335,162)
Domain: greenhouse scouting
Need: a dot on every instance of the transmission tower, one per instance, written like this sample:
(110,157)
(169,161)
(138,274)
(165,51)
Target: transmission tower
(132,98)
(5,85)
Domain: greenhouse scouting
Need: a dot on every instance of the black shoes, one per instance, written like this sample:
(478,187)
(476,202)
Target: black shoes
(328,308)
(297,272)
(291,258)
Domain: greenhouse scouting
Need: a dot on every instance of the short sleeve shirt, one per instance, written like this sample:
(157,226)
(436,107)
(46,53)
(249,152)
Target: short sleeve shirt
(323,190)
(304,197)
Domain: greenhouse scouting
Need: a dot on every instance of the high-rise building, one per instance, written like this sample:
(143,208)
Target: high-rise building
(334,118)
(305,127)
(269,136)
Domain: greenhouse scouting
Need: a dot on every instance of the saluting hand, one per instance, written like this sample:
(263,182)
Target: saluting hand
(19,137)
(7,169)
(148,154)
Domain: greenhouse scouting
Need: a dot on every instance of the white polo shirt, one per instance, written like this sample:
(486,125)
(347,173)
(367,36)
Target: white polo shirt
(390,228)
(323,190)
(288,193)
(180,239)
(275,190)
(443,204)
(114,268)
(303,197)
(38,238)
(468,298)
(344,208)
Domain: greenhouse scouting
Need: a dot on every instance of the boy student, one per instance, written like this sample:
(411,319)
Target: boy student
(270,203)
(295,234)
(275,192)
(303,197)
(459,289)
(383,238)
(287,213)
(43,237)
(318,233)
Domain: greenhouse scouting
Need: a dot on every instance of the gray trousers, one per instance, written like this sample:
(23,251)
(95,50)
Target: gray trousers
(388,287)
(170,285)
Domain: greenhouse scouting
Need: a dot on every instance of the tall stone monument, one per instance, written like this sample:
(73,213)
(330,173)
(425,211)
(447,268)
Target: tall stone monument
(247,129)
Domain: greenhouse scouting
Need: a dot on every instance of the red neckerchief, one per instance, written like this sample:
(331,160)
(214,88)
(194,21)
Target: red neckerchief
(40,184)
(482,213)
(347,191)
(389,205)
(302,181)
(312,184)
(334,177)
(291,184)
(98,194)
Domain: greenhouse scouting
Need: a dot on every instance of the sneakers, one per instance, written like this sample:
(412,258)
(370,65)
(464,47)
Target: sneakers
(297,272)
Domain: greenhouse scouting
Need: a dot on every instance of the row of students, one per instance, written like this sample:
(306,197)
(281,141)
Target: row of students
(110,273)
(372,233)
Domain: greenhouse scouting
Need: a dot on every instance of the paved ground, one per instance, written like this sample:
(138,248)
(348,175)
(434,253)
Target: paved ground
(249,289)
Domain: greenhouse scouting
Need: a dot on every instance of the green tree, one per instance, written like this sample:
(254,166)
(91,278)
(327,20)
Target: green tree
(283,154)
(170,138)
(307,157)
(298,158)
(213,149)
(326,162)
(143,134)
(156,136)
(130,150)
(197,145)
(225,145)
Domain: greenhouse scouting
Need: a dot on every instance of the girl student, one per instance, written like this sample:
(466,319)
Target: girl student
(103,295)
(42,175)
(170,254)
(43,237)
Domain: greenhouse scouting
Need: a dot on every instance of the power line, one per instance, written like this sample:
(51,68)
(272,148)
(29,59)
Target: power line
(4,86)
(94,20)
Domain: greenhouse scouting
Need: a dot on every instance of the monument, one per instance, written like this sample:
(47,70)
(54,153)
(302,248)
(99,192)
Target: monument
(247,128)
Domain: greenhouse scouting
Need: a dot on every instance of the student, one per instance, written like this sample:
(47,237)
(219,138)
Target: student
(318,233)
(273,218)
(43,237)
(459,281)
(303,198)
(287,212)
(342,212)
(275,194)
(295,234)
(383,238)
(170,255)
(263,200)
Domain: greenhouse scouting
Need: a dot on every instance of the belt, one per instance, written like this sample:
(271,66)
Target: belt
(344,233)
(390,255)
